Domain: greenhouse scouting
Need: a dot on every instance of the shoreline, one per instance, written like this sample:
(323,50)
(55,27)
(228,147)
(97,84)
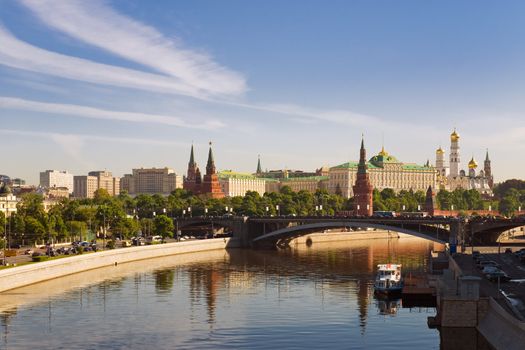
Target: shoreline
(26,275)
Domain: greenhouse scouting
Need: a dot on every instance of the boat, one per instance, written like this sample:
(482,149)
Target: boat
(388,280)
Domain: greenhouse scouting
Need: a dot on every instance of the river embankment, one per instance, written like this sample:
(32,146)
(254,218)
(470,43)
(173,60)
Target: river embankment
(21,276)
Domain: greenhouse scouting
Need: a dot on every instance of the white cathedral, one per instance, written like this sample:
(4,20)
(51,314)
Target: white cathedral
(450,178)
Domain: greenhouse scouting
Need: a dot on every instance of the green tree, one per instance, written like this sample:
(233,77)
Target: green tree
(163,226)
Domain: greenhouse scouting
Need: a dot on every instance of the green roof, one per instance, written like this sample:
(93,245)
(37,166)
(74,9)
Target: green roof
(415,167)
(352,165)
(227,174)
(305,178)
(383,158)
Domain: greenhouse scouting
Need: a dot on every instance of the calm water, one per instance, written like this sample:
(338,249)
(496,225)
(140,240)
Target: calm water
(303,298)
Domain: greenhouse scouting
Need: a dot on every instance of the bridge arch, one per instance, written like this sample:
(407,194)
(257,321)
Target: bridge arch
(291,232)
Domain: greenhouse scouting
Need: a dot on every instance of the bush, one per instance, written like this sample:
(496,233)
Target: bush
(80,249)
(39,258)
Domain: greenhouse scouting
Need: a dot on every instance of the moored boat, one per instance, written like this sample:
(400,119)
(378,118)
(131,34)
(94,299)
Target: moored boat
(388,280)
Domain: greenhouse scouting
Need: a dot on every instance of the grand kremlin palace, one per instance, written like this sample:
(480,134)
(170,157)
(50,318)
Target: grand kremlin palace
(385,172)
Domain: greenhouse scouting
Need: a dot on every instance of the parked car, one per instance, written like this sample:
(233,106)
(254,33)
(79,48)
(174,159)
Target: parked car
(475,254)
(508,250)
(483,263)
(494,276)
(28,251)
(490,269)
(153,239)
(137,241)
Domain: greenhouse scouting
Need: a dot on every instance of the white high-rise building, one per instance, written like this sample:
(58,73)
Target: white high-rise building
(56,178)
(455,160)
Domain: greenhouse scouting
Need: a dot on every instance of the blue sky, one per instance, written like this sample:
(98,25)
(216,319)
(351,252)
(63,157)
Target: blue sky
(89,85)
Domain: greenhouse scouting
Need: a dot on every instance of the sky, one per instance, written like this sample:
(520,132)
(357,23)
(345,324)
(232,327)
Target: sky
(123,84)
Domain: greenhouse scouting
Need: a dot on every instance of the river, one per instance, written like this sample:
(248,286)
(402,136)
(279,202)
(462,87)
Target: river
(306,297)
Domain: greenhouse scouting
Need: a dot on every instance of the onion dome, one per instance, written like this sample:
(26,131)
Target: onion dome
(454,137)
(440,150)
(472,164)
(383,152)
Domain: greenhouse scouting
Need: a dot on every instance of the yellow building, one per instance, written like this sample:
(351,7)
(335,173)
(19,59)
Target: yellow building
(151,181)
(385,172)
(237,184)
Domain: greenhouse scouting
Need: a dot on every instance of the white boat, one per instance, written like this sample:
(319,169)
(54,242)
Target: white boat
(388,279)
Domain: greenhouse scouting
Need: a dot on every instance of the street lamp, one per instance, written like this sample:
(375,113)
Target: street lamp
(164,211)
(267,210)
(278,209)
(205,211)
(321,209)
(189,211)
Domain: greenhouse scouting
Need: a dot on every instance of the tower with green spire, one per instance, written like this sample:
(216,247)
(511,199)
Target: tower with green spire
(259,169)
(363,189)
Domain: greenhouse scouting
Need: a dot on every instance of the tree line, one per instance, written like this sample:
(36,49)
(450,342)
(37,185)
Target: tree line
(125,216)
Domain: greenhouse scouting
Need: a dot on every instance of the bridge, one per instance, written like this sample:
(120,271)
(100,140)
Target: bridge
(271,231)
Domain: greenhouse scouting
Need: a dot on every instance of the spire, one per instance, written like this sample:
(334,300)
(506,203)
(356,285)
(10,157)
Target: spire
(210,166)
(192,157)
(487,156)
(259,169)
(362,157)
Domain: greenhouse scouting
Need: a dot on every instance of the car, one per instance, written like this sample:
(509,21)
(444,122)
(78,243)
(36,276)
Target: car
(490,269)
(497,275)
(508,250)
(154,239)
(28,252)
(138,241)
(484,263)
(476,254)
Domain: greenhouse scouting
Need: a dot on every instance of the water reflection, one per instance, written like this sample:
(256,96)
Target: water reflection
(388,307)
(306,297)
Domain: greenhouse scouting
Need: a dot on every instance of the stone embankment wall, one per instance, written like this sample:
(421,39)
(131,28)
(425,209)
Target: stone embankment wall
(346,236)
(38,272)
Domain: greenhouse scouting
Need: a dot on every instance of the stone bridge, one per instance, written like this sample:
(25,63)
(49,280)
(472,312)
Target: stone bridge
(268,231)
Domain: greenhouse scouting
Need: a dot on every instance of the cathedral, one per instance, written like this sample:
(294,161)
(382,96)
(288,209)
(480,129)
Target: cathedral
(209,184)
(453,177)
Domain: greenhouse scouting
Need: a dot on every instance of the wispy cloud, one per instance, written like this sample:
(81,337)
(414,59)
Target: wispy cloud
(99,25)
(95,113)
(78,140)
(18,54)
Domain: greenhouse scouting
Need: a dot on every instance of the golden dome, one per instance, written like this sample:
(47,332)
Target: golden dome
(454,136)
(440,150)
(472,164)
(383,152)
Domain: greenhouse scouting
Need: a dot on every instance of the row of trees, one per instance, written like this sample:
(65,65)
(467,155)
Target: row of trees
(125,216)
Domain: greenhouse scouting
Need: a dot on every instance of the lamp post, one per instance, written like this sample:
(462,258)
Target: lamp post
(205,212)
(321,209)
(316,210)
(278,209)
(267,210)
(189,211)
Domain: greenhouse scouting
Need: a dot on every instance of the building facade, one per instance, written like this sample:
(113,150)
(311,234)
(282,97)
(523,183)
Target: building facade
(57,178)
(237,184)
(453,177)
(8,204)
(151,181)
(85,186)
(385,171)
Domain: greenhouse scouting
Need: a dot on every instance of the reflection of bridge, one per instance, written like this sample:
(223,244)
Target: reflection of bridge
(271,231)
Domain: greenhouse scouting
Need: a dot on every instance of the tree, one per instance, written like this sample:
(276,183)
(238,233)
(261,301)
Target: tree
(162,225)
(2,222)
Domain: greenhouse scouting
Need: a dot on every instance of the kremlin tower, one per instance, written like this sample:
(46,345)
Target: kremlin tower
(210,182)
(209,185)
(363,205)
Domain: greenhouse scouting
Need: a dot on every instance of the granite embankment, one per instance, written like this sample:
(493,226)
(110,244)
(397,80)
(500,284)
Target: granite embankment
(21,276)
